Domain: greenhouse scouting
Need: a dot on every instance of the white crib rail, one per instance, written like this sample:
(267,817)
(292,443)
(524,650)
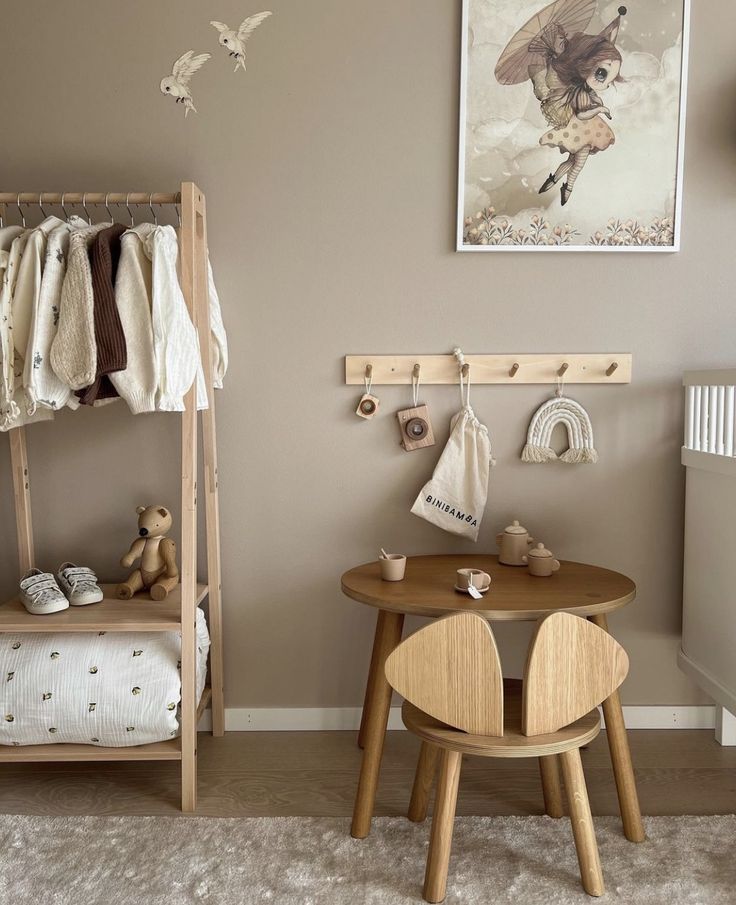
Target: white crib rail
(710,412)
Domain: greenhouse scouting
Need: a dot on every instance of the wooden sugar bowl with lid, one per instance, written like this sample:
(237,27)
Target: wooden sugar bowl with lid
(513,545)
(541,562)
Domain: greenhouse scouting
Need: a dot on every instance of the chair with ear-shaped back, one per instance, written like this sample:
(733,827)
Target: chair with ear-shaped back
(457,702)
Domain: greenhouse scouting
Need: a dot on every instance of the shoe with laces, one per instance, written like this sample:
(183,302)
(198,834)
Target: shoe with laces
(79,584)
(40,594)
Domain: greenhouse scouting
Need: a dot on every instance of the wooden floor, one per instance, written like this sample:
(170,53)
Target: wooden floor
(254,774)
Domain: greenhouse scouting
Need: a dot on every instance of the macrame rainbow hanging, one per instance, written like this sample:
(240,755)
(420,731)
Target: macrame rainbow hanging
(560,410)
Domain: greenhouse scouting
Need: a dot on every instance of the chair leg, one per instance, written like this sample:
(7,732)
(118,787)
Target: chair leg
(423,781)
(582,823)
(551,788)
(623,771)
(440,840)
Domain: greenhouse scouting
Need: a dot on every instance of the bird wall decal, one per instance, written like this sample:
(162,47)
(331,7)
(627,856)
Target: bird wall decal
(176,85)
(234,41)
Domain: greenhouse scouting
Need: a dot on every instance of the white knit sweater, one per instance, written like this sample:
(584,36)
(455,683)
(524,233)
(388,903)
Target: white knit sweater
(163,348)
(138,382)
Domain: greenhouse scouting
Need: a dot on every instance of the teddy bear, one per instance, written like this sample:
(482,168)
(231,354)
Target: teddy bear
(158,572)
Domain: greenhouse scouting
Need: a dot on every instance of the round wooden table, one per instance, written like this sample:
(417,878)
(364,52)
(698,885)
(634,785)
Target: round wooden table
(515,595)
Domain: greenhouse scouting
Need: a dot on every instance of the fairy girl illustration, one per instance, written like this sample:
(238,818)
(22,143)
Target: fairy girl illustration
(568,69)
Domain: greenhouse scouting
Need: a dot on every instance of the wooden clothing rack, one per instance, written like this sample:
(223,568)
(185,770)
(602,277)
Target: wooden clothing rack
(178,611)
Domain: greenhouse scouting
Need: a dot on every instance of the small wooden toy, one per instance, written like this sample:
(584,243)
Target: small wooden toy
(393,566)
(158,572)
(541,562)
(368,404)
(414,423)
(513,544)
(416,428)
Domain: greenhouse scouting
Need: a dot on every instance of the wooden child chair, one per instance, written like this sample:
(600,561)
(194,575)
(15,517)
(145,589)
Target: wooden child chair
(457,702)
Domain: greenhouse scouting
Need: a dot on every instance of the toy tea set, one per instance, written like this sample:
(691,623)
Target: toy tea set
(516,548)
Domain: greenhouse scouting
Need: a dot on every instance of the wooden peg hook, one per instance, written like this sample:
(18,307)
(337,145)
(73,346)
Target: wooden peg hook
(561,372)
(368,372)
(415,372)
(465,370)
(514,369)
(611,368)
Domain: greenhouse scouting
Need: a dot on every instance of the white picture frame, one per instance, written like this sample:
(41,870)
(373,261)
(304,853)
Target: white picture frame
(573,246)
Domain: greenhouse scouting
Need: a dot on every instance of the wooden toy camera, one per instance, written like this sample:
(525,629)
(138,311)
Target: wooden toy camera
(368,406)
(415,427)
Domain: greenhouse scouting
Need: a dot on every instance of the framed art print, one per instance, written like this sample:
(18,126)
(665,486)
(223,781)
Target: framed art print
(572,121)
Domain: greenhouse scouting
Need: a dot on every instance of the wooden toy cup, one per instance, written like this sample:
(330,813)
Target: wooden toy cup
(393,566)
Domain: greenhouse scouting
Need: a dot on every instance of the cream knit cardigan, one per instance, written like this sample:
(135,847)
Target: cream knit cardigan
(42,386)
(74,349)
(11,263)
(13,241)
(163,349)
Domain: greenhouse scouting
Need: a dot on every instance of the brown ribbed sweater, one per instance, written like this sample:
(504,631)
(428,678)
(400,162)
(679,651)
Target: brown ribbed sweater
(109,337)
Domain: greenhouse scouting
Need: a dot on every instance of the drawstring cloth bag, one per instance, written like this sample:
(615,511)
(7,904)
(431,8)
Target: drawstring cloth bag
(455,497)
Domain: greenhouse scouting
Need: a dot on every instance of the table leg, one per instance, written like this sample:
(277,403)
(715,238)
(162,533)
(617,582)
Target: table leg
(388,635)
(370,685)
(623,769)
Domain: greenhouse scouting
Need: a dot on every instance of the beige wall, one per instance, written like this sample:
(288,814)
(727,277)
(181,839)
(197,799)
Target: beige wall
(330,174)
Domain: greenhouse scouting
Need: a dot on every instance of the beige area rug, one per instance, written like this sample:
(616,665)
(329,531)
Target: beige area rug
(290,860)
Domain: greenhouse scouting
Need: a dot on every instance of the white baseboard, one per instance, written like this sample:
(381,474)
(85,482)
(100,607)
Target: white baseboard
(311,719)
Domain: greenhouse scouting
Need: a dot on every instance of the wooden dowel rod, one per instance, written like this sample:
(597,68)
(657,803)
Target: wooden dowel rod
(137,198)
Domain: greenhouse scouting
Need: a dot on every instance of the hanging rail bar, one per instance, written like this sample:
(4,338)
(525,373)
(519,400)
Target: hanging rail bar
(513,368)
(137,198)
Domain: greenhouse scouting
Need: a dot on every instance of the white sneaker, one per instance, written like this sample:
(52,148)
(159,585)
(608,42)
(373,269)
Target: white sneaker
(40,594)
(79,584)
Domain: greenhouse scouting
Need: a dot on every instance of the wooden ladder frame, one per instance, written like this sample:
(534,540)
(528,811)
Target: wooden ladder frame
(195,286)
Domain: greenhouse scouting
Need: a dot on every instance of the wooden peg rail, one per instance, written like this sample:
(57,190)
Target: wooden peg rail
(604,367)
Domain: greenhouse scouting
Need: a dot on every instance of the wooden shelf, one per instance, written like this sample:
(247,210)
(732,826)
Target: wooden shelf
(168,750)
(141,614)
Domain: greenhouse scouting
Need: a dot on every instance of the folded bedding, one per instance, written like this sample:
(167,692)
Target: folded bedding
(112,689)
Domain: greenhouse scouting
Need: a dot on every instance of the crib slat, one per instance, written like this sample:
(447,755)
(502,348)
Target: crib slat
(712,418)
(720,419)
(689,404)
(696,417)
(704,400)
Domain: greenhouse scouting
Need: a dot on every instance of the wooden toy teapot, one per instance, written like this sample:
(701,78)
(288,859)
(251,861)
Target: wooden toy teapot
(541,561)
(513,544)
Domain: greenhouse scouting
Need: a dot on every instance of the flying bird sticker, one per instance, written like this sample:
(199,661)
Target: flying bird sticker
(176,85)
(234,41)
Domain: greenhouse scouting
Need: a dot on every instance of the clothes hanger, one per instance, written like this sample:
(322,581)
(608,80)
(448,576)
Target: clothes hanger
(63,207)
(153,212)
(130,212)
(20,210)
(107,208)
(84,208)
